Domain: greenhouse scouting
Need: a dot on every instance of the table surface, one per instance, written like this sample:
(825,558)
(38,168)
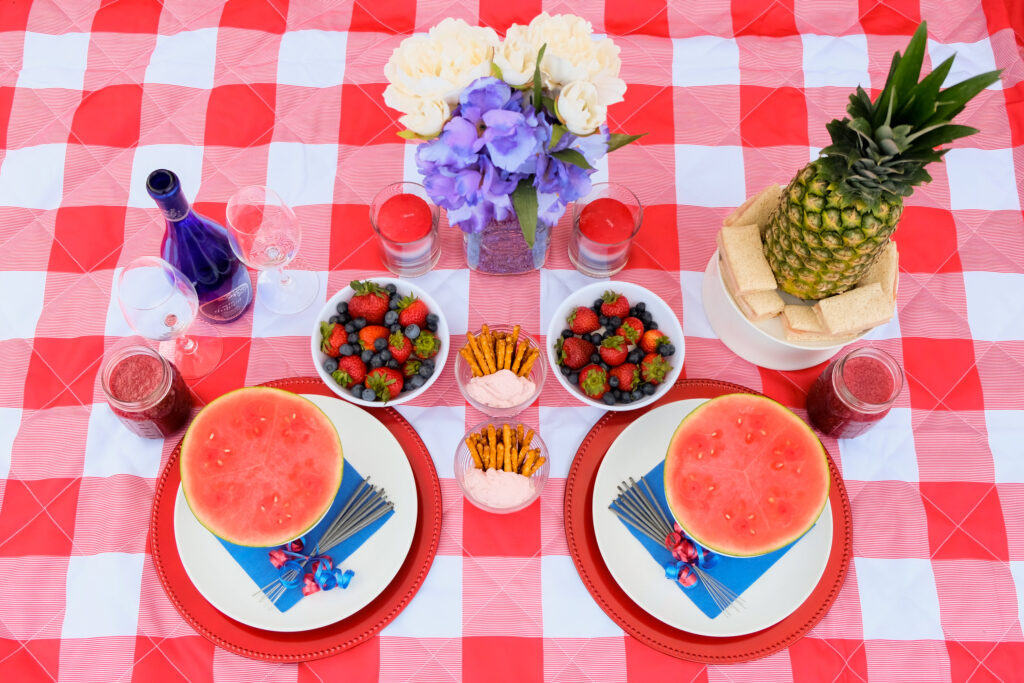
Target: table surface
(733,97)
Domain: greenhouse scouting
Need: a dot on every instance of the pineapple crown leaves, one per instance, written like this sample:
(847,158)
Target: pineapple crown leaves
(886,145)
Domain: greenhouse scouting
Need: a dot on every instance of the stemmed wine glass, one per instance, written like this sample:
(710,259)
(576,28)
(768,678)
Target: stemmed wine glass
(160,303)
(265,235)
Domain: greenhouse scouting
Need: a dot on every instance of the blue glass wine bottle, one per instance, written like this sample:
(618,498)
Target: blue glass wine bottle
(199,248)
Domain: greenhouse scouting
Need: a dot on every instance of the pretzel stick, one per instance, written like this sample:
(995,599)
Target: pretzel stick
(472,445)
(492,439)
(488,349)
(499,353)
(526,442)
(510,347)
(474,345)
(501,458)
(536,466)
(531,455)
(524,370)
(515,335)
(467,353)
(520,352)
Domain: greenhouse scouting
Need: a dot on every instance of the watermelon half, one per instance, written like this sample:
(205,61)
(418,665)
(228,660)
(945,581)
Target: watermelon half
(745,476)
(260,466)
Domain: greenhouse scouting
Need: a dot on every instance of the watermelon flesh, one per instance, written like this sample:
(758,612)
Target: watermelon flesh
(260,466)
(745,476)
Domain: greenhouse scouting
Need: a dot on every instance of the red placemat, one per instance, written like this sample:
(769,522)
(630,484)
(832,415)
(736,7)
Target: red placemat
(322,642)
(579,531)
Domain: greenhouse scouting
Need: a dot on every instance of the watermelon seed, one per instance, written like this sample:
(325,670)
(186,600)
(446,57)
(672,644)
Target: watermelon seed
(227,450)
(739,420)
(711,487)
(220,462)
(263,509)
(715,434)
(275,497)
(763,433)
(750,516)
(712,451)
(749,437)
(752,532)
(778,465)
(728,516)
(211,435)
(700,455)
(771,499)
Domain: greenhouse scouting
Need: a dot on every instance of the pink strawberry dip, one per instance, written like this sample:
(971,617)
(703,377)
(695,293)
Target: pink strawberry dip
(497,488)
(502,389)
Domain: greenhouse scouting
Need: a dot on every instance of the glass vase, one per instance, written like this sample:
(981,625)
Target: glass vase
(501,249)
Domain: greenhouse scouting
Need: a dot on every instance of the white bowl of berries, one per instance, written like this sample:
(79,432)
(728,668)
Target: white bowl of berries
(380,342)
(609,334)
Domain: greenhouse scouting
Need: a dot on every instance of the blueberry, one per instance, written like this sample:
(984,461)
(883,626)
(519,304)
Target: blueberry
(391,288)
(330,365)
(645,317)
(376,362)
(368,395)
(347,349)
(625,397)
(648,388)
(636,395)
(385,355)
(432,318)
(652,325)
(608,399)
(390,318)
(597,303)
(334,320)
(415,382)
(379,344)
(574,378)
(394,328)
(603,320)
(357,390)
(632,311)
(359,323)
(432,326)
(614,321)
(605,366)
(342,307)
(392,363)
(610,332)
(344,318)
(426,370)
(665,349)
(350,327)
(394,301)
(595,338)
(353,338)
(566,370)
(635,356)
(595,357)
(613,382)
(366,355)
(640,307)
(617,393)
(429,362)
(566,333)
(412,331)
(671,349)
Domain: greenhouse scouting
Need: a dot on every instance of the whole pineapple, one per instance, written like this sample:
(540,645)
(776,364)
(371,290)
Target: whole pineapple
(839,211)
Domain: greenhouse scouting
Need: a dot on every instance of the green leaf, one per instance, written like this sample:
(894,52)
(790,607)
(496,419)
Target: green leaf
(496,71)
(537,98)
(557,131)
(571,156)
(616,140)
(524,201)
(549,104)
(909,68)
(922,99)
(953,99)
(410,135)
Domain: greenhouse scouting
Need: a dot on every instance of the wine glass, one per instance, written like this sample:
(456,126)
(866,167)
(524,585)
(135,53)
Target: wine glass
(160,303)
(265,235)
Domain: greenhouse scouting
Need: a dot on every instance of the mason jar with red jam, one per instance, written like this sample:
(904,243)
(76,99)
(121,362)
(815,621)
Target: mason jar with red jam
(854,392)
(146,392)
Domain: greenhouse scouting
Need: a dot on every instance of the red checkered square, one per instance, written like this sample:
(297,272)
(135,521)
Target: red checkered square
(843,619)
(40,117)
(824,104)
(391,17)
(501,595)
(303,16)
(965,521)
(97,176)
(585,659)
(118,58)
(6,102)
(964,585)
(755,19)
(410,659)
(113,515)
(999,367)
(485,534)
(235,64)
(1011,499)
(62,371)
(231,372)
(356,665)
(771,62)
(875,535)
(814,659)
(127,17)
(500,15)
(37,518)
(54,430)
(308,115)
(240,115)
(15,17)
(952,446)
(625,17)
(98,659)
(656,246)
(789,388)
(258,15)
(502,659)
(891,17)
(87,238)
(927,241)
(908,660)
(932,306)
(646,109)
(1014,98)
(172,659)
(172,114)
(941,374)
(987,240)
(772,116)
(706,115)
(354,245)
(985,661)
(647,664)
(365,120)
(52,18)
(31,660)
(763,166)
(16,354)
(109,116)
(38,613)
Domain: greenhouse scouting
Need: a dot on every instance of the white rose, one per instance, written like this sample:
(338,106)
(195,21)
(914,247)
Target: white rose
(428,118)
(517,56)
(604,73)
(579,108)
(570,48)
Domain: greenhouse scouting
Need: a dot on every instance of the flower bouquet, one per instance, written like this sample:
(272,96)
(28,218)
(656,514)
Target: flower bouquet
(512,128)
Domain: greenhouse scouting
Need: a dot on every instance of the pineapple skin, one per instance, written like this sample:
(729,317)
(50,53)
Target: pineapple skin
(823,237)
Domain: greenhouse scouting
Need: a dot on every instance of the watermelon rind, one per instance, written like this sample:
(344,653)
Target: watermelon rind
(718,547)
(233,395)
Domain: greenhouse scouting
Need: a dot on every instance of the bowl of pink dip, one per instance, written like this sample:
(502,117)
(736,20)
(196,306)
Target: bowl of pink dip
(498,491)
(503,393)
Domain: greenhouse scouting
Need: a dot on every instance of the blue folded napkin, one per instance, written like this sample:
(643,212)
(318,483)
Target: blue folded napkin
(256,561)
(735,573)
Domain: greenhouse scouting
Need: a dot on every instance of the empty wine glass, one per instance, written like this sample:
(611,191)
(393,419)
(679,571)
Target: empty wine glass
(265,235)
(160,303)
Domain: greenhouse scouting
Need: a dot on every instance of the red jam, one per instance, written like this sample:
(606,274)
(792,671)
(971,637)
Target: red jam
(404,218)
(146,392)
(853,393)
(607,221)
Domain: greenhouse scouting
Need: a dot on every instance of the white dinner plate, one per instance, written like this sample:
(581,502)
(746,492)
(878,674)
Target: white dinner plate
(370,448)
(771,598)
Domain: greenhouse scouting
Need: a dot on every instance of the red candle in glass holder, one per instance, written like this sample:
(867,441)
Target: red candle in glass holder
(607,221)
(404,218)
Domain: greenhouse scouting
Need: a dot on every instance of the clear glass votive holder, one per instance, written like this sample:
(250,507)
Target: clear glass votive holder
(407,231)
(604,252)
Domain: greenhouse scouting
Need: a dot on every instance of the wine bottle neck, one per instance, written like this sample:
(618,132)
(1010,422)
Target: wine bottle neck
(165,189)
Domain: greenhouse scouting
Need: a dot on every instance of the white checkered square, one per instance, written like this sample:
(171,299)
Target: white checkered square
(436,610)
(33,177)
(266,323)
(450,289)
(563,430)
(838,61)
(710,176)
(185,160)
(991,313)
(186,58)
(898,599)
(312,58)
(410,173)
(103,595)
(441,428)
(111,449)
(705,60)
(695,322)
(971,59)
(54,61)
(116,324)
(982,179)
(10,421)
(19,314)
(302,174)
(556,286)
(569,611)
(884,453)
(1005,438)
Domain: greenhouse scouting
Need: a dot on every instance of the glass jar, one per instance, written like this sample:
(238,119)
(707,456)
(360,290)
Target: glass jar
(501,249)
(854,392)
(146,392)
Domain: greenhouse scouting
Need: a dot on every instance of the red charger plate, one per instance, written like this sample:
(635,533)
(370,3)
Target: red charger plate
(579,531)
(329,640)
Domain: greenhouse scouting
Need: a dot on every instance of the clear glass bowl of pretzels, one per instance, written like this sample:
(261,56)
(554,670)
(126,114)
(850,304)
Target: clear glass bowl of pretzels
(496,367)
(501,466)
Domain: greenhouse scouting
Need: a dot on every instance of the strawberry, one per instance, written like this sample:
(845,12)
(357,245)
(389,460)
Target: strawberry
(333,336)
(426,345)
(613,350)
(614,305)
(628,375)
(583,320)
(351,370)
(653,368)
(411,367)
(370,301)
(412,311)
(574,352)
(385,382)
(632,329)
(400,346)
(594,382)
(651,340)
(370,334)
